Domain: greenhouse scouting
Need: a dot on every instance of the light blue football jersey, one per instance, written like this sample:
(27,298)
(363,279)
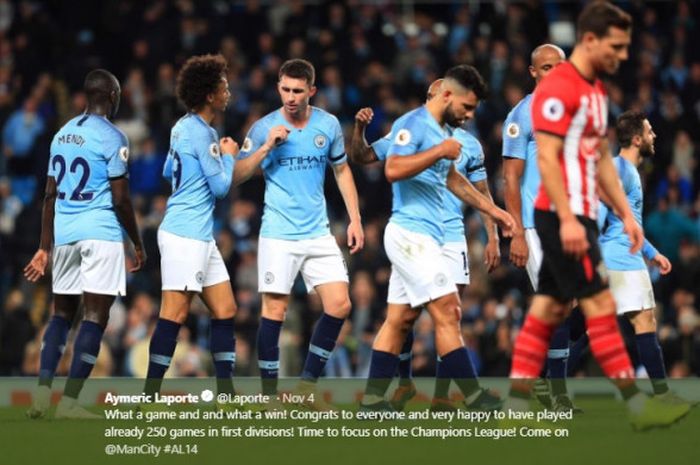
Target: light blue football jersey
(519,142)
(382,145)
(470,164)
(419,203)
(295,171)
(198,173)
(85,154)
(614,242)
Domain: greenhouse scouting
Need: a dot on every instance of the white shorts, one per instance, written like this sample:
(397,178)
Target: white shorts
(632,290)
(93,266)
(457,258)
(534,256)
(188,264)
(419,271)
(279,261)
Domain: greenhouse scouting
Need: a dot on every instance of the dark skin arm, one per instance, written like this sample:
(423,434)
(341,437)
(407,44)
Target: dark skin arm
(513,169)
(36,268)
(360,151)
(125,213)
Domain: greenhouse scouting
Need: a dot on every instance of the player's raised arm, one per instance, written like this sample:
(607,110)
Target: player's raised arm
(467,193)
(360,151)
(36,268)
(217,163)
(609,183)
(255,148)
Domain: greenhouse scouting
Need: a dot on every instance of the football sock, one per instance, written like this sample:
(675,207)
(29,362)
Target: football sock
(653,360)
(557,356)
(223,351)
(160,353)
(52,347)
(529,354)
(381,372)
(85,350)
(405,360)
(321,347)
(442,381)
(609,350)
(459,367)
(269,354)
(575,352)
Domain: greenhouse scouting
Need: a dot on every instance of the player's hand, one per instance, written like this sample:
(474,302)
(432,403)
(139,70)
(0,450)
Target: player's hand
(228,146)
(364,117)
(450,148)
(519,250)
(635,233)
(492,255)
(356,236)
(663,263)
(139,260)
(573,237)
(277,136)
(504,220)
(37,266)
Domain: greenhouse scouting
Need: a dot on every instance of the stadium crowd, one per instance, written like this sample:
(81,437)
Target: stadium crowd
(375,54)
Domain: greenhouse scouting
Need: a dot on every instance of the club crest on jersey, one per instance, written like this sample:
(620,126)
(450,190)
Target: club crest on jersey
(247,145)
(320,141)
(214,150)
(124,153)
(403,137)
(553,109)
(513,130)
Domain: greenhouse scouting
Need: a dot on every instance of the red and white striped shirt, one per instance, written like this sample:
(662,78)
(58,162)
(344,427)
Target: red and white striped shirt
(569,106)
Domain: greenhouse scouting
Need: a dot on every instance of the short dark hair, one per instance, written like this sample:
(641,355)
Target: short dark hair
(298,69)
(99,84)
(468,77)
(598,17)
(199,77)
(629,124)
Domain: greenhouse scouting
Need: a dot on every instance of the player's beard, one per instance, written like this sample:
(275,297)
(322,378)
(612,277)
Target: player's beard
(646,150)
(451,119)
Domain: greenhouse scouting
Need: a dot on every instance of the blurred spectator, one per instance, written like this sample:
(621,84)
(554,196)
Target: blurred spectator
(16,330)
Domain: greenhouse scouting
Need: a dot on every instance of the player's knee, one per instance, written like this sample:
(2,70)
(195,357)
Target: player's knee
(339,307)
(601,304)
(229,311)
(448,317)
(644,322)
(558,313)
(100,318)
(274,312)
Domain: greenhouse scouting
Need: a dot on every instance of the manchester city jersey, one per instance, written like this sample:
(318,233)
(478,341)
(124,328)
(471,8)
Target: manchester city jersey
(470,164)
(419,203)
(614,242)
(199,174)
(295,171)
(519,142)
(85,154)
